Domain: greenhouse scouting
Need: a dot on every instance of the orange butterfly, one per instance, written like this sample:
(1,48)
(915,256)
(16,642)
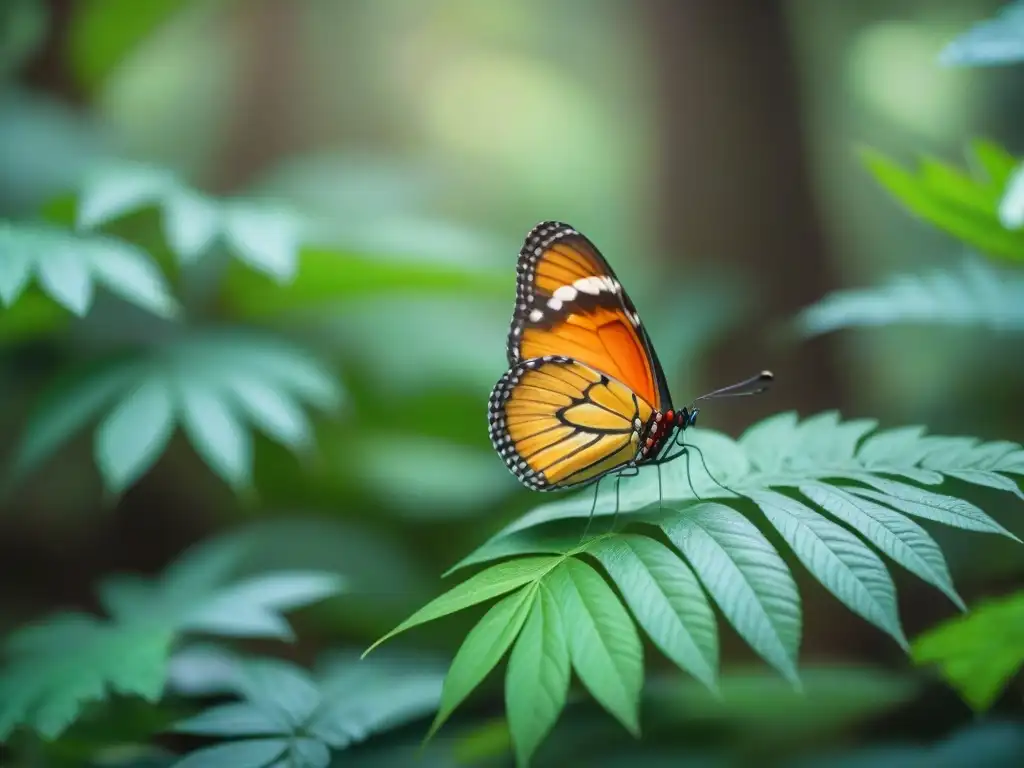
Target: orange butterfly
(585,395)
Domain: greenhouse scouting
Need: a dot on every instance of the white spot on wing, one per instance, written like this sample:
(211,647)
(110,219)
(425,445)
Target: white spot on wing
(565,293)
(536,315)
(554,304)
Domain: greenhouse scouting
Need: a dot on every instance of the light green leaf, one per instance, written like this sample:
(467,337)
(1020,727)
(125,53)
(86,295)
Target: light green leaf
(769,442)
(265,239)
(216,432)
(482,650)
(979,652)
(15,270)
(931,506)
(963,207)
(495,581)
(68,265)
(1011,207)
(308,753)
(64,275)
(281,688)
(603,642)
(897,536)
(666,599)
(746,577)
(844,565)
(272,410)
(253,753)
(251,608)
(995,41)
(237,719)
(973,293)
(131,275)
(537,680)
(135,433)
(191,224)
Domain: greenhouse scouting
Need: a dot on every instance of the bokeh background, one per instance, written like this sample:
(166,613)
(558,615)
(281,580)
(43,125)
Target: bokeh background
(708,148)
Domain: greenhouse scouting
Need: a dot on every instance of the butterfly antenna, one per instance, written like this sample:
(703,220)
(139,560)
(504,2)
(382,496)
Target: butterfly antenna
(755,385)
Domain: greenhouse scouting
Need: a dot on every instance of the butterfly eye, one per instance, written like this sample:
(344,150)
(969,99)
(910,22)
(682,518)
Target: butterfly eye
(692,418)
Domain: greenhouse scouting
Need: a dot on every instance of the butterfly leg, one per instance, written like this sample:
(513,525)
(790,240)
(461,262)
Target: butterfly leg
(593,506)
(631,471)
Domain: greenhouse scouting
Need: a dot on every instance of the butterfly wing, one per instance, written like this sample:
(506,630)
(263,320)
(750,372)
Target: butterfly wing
(558,423)
(570,303)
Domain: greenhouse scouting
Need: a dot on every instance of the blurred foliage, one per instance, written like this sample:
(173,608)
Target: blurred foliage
(315,288)
(995,41)
(980,652)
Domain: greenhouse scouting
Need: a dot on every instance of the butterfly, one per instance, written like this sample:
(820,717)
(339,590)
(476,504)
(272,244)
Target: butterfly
(585,395)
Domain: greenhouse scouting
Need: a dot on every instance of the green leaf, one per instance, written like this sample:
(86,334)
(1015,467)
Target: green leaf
(264,237)
(844,565)
(367,696)
(931,506)
(963,207)
(55,666)
(252,608)
(495,581)
(216,432)
(346,701)
(254,753)
(995,41)
(897,536)
(482,650)
(135,433)
(746,577)
(68,266)
(537,680)
(238,719)
(603,642)
(215,384)
(267,240)
(978,653)
(975,293)
(666,599)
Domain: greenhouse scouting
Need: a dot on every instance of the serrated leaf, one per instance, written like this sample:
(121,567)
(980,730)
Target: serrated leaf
(973,293)
(604,645)
(897,536)
(237,719)
(979,652)
(666,599)
(482,649)
(537,679)
(252,753)
(746,577)
(495,581)
(135,433)
(918,502)
(843,564)
(995,41)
